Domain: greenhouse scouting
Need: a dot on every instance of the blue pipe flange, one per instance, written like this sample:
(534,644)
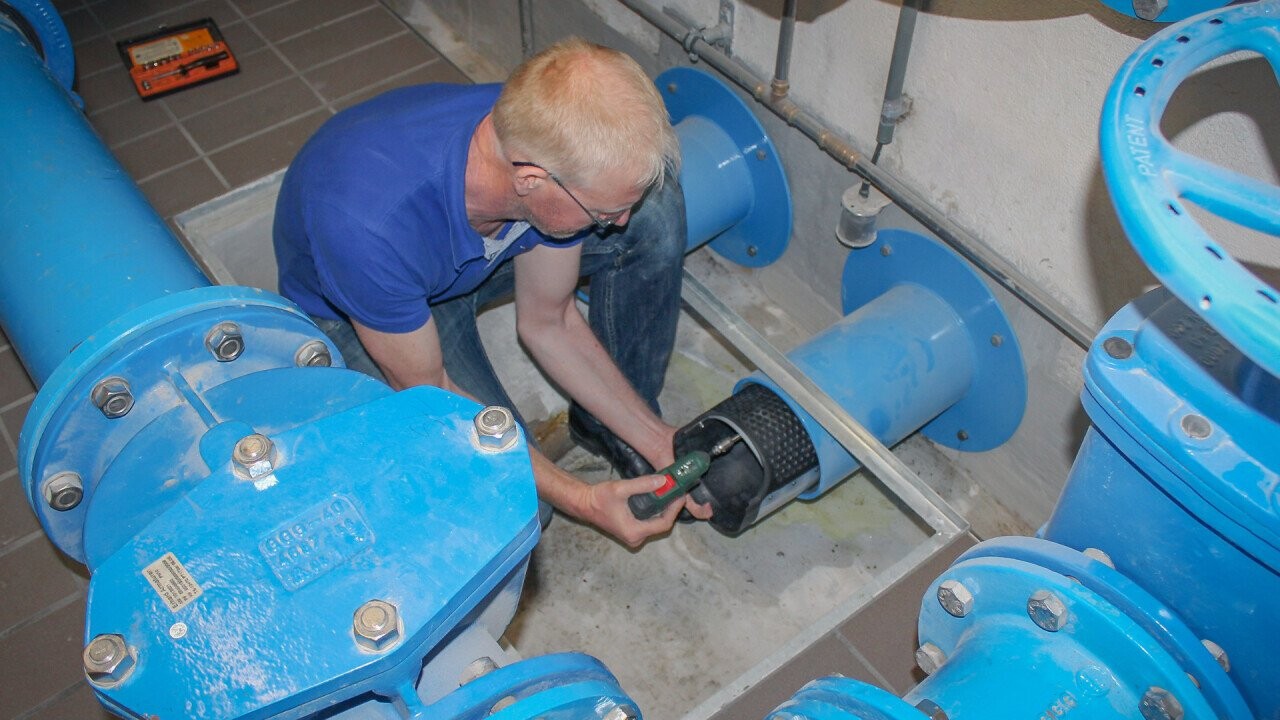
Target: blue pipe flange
(1007,638)
(1094,572)
(156,379)
(992,407)
(1164,10)
(567,686)
(1149,178)
(321,573)
(38,22)
(736,193)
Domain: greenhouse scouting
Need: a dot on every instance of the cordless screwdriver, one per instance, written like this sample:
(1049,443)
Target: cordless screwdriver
(682,475)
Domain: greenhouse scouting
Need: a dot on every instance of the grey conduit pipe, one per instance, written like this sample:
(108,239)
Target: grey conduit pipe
(932,218)
(526,28)
(893,109)
(782,68)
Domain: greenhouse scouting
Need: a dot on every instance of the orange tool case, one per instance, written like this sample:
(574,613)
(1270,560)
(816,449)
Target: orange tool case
(175,58)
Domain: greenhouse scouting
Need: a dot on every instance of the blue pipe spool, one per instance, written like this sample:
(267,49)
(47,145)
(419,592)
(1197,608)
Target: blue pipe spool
(923,346)
(736,193)
(1027,628)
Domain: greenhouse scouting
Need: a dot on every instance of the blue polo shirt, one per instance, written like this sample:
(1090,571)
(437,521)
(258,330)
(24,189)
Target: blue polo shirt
(371,223)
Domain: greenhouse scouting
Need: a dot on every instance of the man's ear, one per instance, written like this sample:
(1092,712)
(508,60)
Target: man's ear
(527,178)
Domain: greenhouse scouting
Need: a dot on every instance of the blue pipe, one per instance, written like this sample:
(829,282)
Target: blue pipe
(82,245)
(924,345)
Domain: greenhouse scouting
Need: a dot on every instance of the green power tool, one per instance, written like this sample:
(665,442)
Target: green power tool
(682,475)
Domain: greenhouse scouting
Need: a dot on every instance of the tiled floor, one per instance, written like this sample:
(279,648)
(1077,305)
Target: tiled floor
(302,61)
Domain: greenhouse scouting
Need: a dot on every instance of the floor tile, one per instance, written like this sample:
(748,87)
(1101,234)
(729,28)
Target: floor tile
(434,72)
(81,24)
(174,15)
(42,659)
(260,156)
(13,419)
(339,38)
(353,73)
(32,577)
(182,188)
(127,18)
(257,70)
(129,120)
(97,55)
(885,630)
(16,518)
(106,89)
(828,656)
(241,37)
(79,703)
(14,383)
(250,114)
(4,339)
(281,23)
(8,463)
(253,7)
(155,153)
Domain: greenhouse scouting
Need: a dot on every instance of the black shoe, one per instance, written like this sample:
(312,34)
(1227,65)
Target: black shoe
(625,460)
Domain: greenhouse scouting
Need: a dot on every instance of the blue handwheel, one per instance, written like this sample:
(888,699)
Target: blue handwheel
(1169,11)
(1149,178)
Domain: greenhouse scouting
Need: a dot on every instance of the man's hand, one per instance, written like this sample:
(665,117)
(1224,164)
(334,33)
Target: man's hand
(605,506)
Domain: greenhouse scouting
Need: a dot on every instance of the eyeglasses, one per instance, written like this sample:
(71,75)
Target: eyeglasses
(602,221)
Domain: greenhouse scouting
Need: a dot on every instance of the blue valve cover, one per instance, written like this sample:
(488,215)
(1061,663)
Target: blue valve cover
(239,600)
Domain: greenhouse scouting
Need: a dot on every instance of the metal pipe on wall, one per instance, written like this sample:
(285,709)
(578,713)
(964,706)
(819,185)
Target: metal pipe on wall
(892,109)
(782,68)
(931,217)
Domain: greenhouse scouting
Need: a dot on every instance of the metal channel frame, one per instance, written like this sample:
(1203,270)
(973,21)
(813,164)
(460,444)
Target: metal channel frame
(902,481)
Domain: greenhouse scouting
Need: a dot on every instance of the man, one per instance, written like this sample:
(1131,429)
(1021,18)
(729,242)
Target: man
(406,214)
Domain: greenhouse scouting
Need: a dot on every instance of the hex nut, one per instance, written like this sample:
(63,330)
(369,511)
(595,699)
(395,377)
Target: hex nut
(930,657)
(64,491)
(495,428)
(314,353)
(1099,555)
(955,598)
(931,710)
(113,397)
(376,625)
(1118,347)
(477,668)
(1218,654)
(225,341)
(1149,9)
(1160,704)
(108,660)
(254,456)
(1047,611)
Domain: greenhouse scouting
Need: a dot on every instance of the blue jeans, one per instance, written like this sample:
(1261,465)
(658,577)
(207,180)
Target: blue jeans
(634,277)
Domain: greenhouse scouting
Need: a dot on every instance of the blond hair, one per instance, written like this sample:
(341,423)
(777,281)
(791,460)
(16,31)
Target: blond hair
(581,109)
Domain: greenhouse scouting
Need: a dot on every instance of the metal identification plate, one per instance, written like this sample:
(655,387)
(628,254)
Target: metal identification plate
(172,582)
(315,542)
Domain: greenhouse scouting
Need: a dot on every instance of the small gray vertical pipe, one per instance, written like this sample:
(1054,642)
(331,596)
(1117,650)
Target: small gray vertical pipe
(897,70)
(782,68)
(526,28)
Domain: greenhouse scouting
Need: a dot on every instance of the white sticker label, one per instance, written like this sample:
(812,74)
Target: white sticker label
(172,582)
